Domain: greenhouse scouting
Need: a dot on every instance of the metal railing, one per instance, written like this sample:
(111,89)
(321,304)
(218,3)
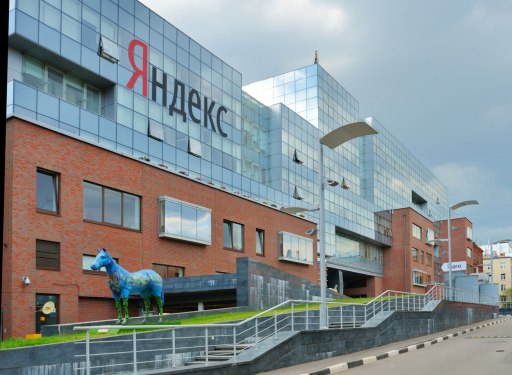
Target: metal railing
(175,346)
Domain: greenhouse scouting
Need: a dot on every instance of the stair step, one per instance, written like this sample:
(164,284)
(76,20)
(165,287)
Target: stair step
(202,358)
(345,325)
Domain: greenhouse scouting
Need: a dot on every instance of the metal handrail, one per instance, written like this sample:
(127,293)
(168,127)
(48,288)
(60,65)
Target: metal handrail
(290,315)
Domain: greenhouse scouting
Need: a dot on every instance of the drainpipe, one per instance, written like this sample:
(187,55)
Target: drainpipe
(406,286)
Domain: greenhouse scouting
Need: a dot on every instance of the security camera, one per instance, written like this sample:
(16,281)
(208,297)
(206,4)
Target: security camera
(26,280)
(311,232)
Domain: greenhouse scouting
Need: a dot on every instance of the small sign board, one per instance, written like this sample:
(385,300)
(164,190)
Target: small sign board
(456,266)
(48,308)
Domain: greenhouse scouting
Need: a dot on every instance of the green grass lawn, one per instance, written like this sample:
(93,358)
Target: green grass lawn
(206,319)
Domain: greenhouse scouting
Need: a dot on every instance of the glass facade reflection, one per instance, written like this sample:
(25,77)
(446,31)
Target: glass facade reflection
(70,68)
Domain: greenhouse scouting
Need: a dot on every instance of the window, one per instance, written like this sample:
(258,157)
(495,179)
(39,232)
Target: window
(503,276)
(194,147)
(107,48)
(418,278)
(469,233)
(297,194)
(469,252)
(112,207)
(503,288)
(260,242)
(47,255)
(429,260)
(416,231)
(74,91)
(168,272)
(414,253)
(185,221)
(47,191)
(429,235)
(422,257)
(55,82)
(64,86)
(233,236)
(33,72)
(92,99)
(87,260)
(297,249)
(502,265)
(155,130)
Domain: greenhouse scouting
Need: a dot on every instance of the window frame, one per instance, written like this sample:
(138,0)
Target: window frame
(231,232)
(103,222)
(416,229)
(415,258)
(260,239)
(297,240)
(181,269)
(418,274)
(163,229)
(428,259)
(56,182)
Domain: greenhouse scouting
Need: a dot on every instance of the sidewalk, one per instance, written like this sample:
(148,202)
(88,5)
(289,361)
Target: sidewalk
(325,366)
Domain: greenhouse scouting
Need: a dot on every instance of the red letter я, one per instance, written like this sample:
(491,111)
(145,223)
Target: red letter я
(136,70)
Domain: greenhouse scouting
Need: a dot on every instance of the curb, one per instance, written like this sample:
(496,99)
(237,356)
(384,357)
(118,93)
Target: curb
(335,369)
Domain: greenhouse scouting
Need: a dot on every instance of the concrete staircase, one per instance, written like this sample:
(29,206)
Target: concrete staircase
(220,353)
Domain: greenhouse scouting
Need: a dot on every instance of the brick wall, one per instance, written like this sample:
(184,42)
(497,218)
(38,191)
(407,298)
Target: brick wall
(398,262)
(30,147)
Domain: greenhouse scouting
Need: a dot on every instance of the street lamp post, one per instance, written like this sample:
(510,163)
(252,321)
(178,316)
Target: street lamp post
(332,140)
(450,209)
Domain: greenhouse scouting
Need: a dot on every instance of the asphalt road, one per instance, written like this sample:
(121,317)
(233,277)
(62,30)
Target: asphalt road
(485,351)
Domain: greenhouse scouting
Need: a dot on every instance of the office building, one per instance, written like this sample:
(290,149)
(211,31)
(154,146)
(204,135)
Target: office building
(125,133)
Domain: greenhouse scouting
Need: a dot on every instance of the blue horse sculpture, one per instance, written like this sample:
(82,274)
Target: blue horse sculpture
(147,283)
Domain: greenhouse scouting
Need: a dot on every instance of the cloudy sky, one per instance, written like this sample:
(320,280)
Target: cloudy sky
(436,73)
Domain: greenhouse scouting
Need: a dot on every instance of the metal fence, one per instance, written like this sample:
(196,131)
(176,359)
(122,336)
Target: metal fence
(180,345)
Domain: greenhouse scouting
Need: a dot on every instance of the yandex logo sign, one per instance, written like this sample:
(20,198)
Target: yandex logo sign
(198,110)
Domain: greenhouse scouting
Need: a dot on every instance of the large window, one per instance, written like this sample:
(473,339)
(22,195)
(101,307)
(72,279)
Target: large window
(47,255)
(112,207)
(47,191)
(260,242)
(416,231)
(65,86)
(185,221)
(295,248)
(233,236)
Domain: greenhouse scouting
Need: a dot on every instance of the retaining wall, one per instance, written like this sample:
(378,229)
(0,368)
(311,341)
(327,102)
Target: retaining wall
(303,347)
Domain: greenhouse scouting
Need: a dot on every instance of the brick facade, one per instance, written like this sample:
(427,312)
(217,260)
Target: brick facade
(80,293)
(398,260)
